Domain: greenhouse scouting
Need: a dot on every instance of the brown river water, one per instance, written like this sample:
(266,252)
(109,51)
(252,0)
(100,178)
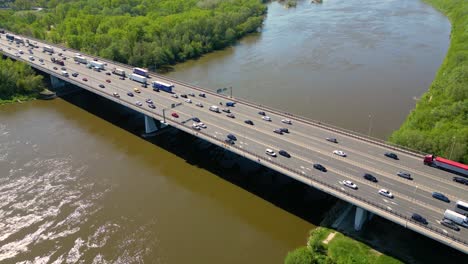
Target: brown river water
(78,185)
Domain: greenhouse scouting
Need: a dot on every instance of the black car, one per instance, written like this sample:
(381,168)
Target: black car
(370,177)
(101,85)
(261,113)
(320,167)
(196,119)
(332,140)
(460,180)
(226,110)
(152,106)
(108,73)
(183,95)
(284,130)
(405,175)
(284,153)
(391,155)
(419,218)
(130,94)
(229,141)
(202,95)
(231,137)
(249,122)
(450,224)
(75,74)
(441,197)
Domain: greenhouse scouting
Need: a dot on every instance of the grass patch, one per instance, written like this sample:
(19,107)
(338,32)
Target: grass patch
(17,98)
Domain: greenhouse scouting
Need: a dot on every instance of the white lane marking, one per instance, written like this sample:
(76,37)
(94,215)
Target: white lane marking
(302,167)
(322,158)
(351,169)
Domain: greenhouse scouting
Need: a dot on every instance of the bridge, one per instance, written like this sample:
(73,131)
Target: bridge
(305,142)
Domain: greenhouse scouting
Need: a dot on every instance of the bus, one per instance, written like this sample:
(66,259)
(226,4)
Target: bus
(462,208)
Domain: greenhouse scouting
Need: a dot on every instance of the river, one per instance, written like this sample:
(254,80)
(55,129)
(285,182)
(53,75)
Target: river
(77,183)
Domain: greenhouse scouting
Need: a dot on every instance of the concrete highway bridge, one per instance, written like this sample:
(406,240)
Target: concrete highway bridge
(305,141)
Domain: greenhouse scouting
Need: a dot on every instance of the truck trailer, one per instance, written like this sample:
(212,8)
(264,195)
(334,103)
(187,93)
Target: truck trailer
(119,72)
(80,59)
(57,61)
(19,40)
(446,164)
(137,78)
(48,49)
(140,71)
(167,87)
(456,217)
(97,64)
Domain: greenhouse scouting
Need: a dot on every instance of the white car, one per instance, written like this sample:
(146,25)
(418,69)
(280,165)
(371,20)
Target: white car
(188,101)
(175,96)
(286,121)
(270,152)
(138,103)
(339,153)
(196,126)
(266,118)
(350,184)
(199,104)
(386,193)
(202,125)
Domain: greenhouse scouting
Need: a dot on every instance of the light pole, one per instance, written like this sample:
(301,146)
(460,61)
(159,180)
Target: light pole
(167,108)
(453,145)
(370,125)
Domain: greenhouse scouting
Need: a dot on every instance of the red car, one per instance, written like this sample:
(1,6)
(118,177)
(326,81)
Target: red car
(84,79)
(175,115)
(108,80)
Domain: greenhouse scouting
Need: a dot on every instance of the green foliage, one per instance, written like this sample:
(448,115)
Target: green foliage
(439,123)
(300,255)
(140,32)
(16,79)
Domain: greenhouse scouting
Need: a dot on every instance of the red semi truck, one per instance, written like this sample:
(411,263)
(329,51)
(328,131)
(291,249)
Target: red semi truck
(446,164)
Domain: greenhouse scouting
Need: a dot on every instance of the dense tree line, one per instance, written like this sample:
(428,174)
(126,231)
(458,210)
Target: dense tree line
(139,32)
(439,123)
(17,78)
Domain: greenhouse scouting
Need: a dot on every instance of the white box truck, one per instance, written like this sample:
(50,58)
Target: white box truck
(80,59)
(137,78)
(214,108)
(456,217)
(97,64)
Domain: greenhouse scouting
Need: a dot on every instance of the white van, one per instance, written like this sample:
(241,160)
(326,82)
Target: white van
(214,108)
(65,73)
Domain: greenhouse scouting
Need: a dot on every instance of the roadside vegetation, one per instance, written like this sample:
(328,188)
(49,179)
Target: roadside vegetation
(18,82)
(340,249)
(439,123)
(139,32)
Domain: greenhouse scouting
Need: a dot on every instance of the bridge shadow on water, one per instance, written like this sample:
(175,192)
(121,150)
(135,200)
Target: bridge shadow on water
(288,194)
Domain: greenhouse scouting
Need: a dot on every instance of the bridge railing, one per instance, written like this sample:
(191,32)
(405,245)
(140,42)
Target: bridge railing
(306,120)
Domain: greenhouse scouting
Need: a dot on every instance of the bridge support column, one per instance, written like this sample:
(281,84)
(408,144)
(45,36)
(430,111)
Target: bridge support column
(56,82)
(150,125)
(360,218)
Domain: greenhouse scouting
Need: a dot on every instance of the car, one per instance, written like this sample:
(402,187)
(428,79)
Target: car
(183,95)
(350,184)
(64,58)
(55,68)
(261,113)
(229,141)
(202,95)
(75,74)
(419,218)
(284,130)
(189,101)
(175,95)
(138,103)
(266,118)
(320,167)
(226,110)
(41,60)
(130,94)
(369,177)
(60,54)
(460,180)
(405,175)
(108,73)
(175,115)
(231,115)
(202,125)
(196,126)
(31,58)
(286,121)
(270,152)
(192,94)
(196,119)
(339,153)
(332,140)
(63,69)
(278,131)
(249,122)
(121,78)
(386,193)
(441,197)
(450,224)
(102,86)
(21,52)
(391,155)
(85,80)
(149,101)
(284,153)
(199,104)
(116,95)
(136,90)
(108,81)
(42,63)
(64,49)
(231,136)
(93,59)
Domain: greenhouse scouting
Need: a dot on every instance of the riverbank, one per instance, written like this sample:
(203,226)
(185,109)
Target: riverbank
(438,123)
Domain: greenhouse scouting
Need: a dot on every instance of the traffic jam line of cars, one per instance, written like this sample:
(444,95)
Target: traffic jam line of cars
(230,139)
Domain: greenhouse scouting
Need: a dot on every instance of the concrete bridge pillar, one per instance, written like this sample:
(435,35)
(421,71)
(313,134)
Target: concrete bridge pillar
(150,125)
(360,218)
(56,82)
